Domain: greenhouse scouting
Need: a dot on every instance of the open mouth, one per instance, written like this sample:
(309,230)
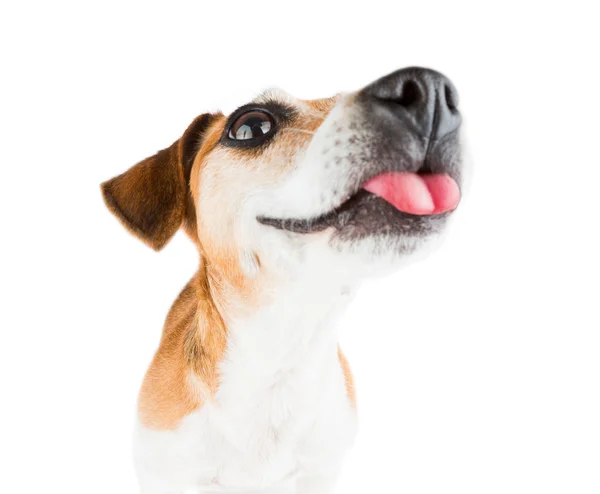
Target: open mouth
(388,200)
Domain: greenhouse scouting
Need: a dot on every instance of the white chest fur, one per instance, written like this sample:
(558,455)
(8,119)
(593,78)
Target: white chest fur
(281,412)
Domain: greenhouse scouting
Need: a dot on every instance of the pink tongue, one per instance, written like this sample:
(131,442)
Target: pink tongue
(416,194)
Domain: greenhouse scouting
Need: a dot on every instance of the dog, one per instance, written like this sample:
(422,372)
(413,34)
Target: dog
(291,204)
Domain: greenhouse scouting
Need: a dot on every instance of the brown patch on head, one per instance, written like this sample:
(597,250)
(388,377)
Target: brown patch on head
(323,105)
(348,378)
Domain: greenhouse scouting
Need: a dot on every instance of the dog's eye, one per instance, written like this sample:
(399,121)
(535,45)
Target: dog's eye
(250,126)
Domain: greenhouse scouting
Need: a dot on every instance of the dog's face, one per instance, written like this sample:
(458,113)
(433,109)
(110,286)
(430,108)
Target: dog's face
(351,183)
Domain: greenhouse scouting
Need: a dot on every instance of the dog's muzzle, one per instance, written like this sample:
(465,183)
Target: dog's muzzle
(402,160)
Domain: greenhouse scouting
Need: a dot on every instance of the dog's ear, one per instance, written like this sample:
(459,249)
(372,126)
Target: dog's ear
(150,198)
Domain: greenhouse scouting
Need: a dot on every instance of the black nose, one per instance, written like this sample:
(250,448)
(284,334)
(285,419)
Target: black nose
(422,98)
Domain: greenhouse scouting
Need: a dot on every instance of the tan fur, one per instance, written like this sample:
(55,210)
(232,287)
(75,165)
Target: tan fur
(183,372)
(323,105)
(348,378)
(183,185)
(165,395)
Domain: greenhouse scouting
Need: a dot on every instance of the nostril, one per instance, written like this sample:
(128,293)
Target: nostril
(451,102)
(410,94)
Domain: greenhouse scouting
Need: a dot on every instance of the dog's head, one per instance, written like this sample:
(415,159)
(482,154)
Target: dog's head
(351,183)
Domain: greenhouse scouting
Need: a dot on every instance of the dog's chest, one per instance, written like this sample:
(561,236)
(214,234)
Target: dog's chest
(266,422)
(257,433)
(281,411)
(262,442)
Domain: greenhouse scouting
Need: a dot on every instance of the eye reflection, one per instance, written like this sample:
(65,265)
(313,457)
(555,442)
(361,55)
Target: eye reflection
(251,125)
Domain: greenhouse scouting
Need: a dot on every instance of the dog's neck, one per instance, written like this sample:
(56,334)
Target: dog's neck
(289,328)
(285,351)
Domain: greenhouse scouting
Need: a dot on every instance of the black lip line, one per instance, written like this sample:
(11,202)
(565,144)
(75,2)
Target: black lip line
(322,222)
(310,225)
(327,220)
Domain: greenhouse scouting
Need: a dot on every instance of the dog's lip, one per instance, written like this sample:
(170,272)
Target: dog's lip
(326,220)
(313,224)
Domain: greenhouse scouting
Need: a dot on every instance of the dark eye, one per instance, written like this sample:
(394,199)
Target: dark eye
(251,125)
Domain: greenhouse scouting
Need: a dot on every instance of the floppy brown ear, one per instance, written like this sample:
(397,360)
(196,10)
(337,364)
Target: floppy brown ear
(150,198)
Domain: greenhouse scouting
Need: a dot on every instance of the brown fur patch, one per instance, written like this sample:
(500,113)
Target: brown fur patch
(165,396)
(206,341)
(183,372)
(151,198)
(348,378)
(323,105)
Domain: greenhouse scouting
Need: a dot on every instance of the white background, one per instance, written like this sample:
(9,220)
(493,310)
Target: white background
(478,370)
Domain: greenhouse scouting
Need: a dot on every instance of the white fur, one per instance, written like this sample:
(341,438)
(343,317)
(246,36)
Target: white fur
(282,418)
